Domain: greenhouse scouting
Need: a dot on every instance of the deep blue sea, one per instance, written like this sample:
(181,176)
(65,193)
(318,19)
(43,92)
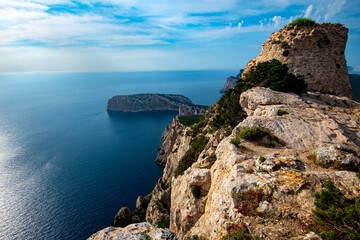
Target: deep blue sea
(66,165)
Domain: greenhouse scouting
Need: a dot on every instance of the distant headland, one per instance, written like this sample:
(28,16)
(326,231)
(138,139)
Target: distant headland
(154,102)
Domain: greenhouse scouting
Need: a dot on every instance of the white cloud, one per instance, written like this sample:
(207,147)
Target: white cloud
(308,11)
(333,8)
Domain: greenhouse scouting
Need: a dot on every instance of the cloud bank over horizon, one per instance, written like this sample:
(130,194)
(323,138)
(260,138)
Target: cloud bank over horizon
(133,35)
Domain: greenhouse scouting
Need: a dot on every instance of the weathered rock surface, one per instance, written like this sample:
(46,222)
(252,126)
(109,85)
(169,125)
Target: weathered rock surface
(285,177)
(154,102)
(316,53)
(133,231)
(231,81)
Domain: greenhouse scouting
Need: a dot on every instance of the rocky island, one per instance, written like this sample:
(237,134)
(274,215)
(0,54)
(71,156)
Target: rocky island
(154,102)
(277,157)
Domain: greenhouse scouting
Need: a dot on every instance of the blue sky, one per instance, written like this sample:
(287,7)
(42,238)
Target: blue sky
(134,35)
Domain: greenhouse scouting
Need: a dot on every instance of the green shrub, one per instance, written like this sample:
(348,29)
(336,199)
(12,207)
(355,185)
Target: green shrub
(282,112)
(262,136)
(335,216)
(147,236)
(254,133)
(274,75)
(262,159)
(236,141)
(302,22)
(286,53)
(286,46)
(196,147)
(270,74)
(190,120)
(196,191)
(241,236)
(197,127)
(164,224)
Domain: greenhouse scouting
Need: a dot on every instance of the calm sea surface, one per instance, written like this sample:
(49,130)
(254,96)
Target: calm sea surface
(66,165)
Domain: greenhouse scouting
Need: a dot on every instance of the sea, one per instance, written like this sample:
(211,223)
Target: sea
(66,164)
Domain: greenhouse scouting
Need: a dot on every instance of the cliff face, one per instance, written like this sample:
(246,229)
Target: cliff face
(316,53)
(265,189)
(231,81)
(287,180)
(154,102)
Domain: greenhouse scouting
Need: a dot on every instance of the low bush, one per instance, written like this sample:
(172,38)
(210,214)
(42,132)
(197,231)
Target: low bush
(286,53)
(270,74)
(236,141)
(335,216)
(197,145)
(196,191)
(147,236)
(302,22)
(190,120)
(262,136)
(282,112)
(262,159)
(164,224)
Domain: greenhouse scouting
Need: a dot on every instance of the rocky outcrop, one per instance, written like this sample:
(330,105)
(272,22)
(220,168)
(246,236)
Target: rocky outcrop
(138,231)
(281,181)
(315,53)
(231,81)
(154,102)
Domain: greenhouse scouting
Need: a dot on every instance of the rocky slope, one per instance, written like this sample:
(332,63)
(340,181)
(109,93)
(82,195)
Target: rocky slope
(154,102)
(266,187)
(231,81)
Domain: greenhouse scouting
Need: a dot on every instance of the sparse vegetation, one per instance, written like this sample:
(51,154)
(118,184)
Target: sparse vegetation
(282,112)
(262,136)
(286,46)
(236,141)
(190,120)
(249,201)
(262,159)
(335,216)
(147,236)
(271,74)
(197,127)
(196,191)
(312,157)
(286,53)
(302,22)
(164,224)
(196,147)
(241,236)
(212,160)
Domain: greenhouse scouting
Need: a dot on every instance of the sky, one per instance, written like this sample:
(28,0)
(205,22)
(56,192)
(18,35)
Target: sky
(153,35)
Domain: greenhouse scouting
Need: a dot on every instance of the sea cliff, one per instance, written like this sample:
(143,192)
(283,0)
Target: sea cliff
(253,165)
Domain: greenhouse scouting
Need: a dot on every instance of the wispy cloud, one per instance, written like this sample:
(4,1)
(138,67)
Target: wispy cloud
(58,27)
